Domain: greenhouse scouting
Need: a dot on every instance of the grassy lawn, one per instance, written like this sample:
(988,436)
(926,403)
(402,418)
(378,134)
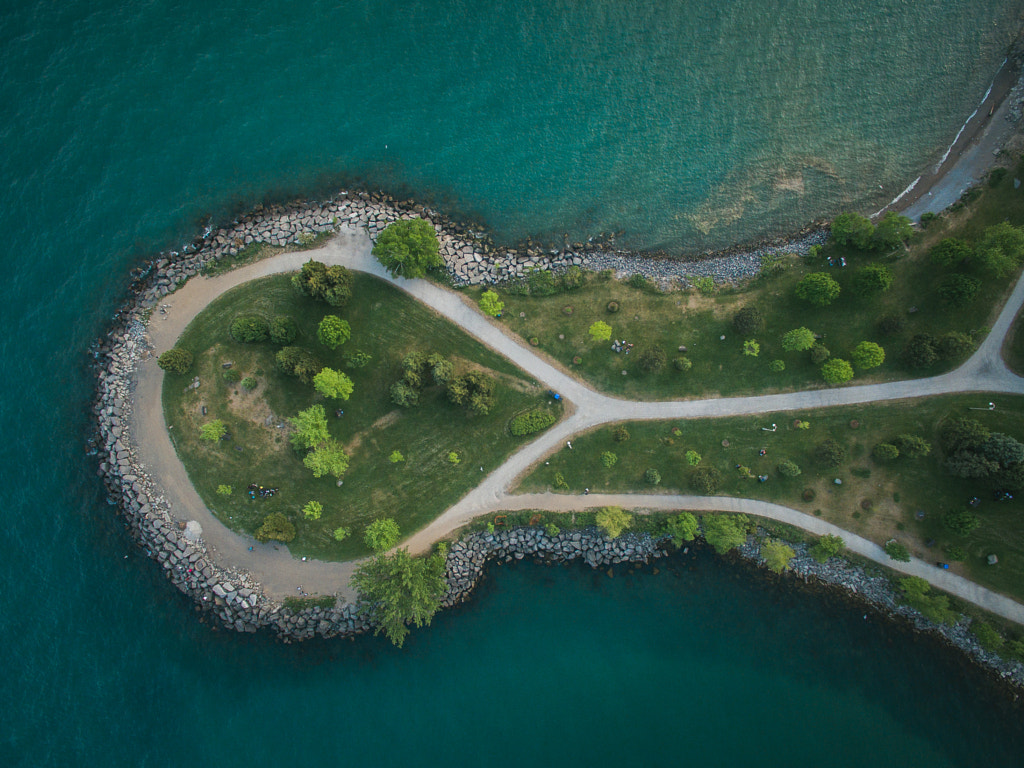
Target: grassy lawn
(875,501)
(388,325)
(647,317)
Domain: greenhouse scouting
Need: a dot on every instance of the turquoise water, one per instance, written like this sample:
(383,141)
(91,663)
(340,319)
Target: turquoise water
(688,126)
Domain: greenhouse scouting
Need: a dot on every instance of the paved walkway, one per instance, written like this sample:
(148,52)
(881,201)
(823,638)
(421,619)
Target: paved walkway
(280,574)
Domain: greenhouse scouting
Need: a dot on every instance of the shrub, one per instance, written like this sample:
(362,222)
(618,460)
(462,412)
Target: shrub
(825,547)
(341,533)
(921,351)
(249,329)
(706,285)
(652,477)
(954,345)
(572,279)
(872,279)
(453,457)
(176,360)
(552,530)
(955,553)
(935,607)
(333,331)
(777,555)
(652,359)
(818,288)
(772,265)
(853,229)
(283,330)
(638,281)
(560,481)
(396,457)
(986,636)
(706,480)
(751,348)
(836,371)
(231,376)
(725,532)
(313,510)
(829,453)
(490,304)
(950,252)
(249,383)
(403,395)
(962,434)
(927,218)
(613,521)
(620,434)
(890,325)
(541,282)
(224,490)
(819,353)
(748,321)
(885,452)
(608,459)
(681,527)
(693,458)
(958,290)
(912,446)
(600,331)
(788,468)
(299,362)
(382,534)
(892,232)
(960,522)
(897,551)
(798,339)
(682,364)
(276,527)
(777,366)
(357,359)
(613,307)
(867,355)
(332,285)
(212,431)
(408,248)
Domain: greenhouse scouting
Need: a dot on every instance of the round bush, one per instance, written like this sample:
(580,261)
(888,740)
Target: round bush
(884,452)
(249,329)
(231,376)
(620,434)
(819,353)
(836,371)
(283,330)
(788,468)
(613,307)
(829,453)
(176,361)
(652,477)
(249,383)
(682,364)
(777,366)
(748,321)
(958,290)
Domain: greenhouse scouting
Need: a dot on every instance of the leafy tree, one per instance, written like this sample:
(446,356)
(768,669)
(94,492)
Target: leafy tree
(283,330)
(872,279)
(987,637)
(954,345)
(620,434)
(176,361)
(967,463)
(1001,249)
(613,521)
(892,232)
(798,339)
(310,428)
(652,359)
(415,369)
(332,285)
(961,522)
(333,331)
(652,476)
(313,510)
(600,331)
(751,348)
(249,329)
(249,383)
(224,490)
(474,389)
(827,546)
(836,371)
(490,304)
(934,607)
(212,431)
(382,534)
(341,533)
(1003,449)
(400,589)
(912,446)
(867,355)
(885,452)
(706,480)
(921,351)
(276,527)
(829,453)
(789,468)
(853,229)
(441,369)
(681,527)
(404,395)
(950,252)
(396,457)
(333,384)
(897,551)
(725,532)
(818,288)
(608,459)
(748,321)
(777,555)
(819,353)
(299,362)
(692,458)
(958,290)
(408,248)
(958,434)
(328,458)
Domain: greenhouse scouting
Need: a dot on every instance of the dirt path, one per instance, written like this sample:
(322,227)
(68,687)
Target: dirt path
(282,575)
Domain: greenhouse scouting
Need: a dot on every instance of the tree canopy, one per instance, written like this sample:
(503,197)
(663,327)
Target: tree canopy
(613,521)
(332,285)
(836,371)
(176,361)
(310,427)
(798,339)
(276,527)
(853,229)
(867,354)
(600,331)
(725,532)
(328,458)
(777,555)
(490,304)
(333,384)
(333,331)
(818,288)
(382,534)
(892,231)
(408,248)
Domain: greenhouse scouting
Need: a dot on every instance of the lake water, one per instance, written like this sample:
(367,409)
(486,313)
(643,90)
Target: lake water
(686,126)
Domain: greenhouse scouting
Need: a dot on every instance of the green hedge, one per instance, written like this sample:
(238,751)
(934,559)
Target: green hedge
(530,422)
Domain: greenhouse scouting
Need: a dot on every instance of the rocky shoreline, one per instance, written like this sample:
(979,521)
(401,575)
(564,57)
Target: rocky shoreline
(233,598)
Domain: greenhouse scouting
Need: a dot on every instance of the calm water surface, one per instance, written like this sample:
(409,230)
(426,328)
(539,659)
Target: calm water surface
(686,125)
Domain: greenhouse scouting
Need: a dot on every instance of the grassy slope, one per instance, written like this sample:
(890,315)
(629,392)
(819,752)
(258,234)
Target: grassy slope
(896,491)
(388,325)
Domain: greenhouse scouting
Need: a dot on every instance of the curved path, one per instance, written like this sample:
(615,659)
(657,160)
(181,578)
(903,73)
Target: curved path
(281,575)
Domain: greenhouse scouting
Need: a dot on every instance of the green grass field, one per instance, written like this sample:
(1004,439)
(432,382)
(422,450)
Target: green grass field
(388,325)
(893,492)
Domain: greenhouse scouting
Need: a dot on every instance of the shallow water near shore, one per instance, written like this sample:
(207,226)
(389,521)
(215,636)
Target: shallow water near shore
(125,126)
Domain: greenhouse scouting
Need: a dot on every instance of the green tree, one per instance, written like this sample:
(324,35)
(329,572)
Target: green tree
(310,427)
(958,290)
(897,551)
(827,546)
(276,527)
(818,288)
(600,331)
(788,468)
(836,371)
(912,446)
(396,457)
(357,359)
(819,353)
(893,231)
(608,459)
(748,321)
(341,533)
(960,522)
(967,463)
(725,532)
(1001,249)
(283,330)
(961,433)
(867,355)
(212,431)
(404,395)
(490,304)
(176,360)
(652,476)
(332,285)
(885,452)
(408,248)
(453,457)
(829,453)
(987,637)
(620,434)
(1002,448)
(400,590)
(777,366)
(682,527)
(249,329)
(950,252)
(921,351)
(798,339)
(552,530)
(953,345)
(333,331)
(934,607)
(475,390)
(299,362)
(224,490)
(328,458)
(313,510)
(853,229)
(382,534)
(613,521)
(682,364)
(872,279)
(441,369)
(777,555)
(333,384)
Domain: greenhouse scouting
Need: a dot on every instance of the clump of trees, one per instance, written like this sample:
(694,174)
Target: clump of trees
(935,607)
(419,371)
(408,248)
(974,452)
(924,349)
(298,362)
(854,230)
(332,285)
